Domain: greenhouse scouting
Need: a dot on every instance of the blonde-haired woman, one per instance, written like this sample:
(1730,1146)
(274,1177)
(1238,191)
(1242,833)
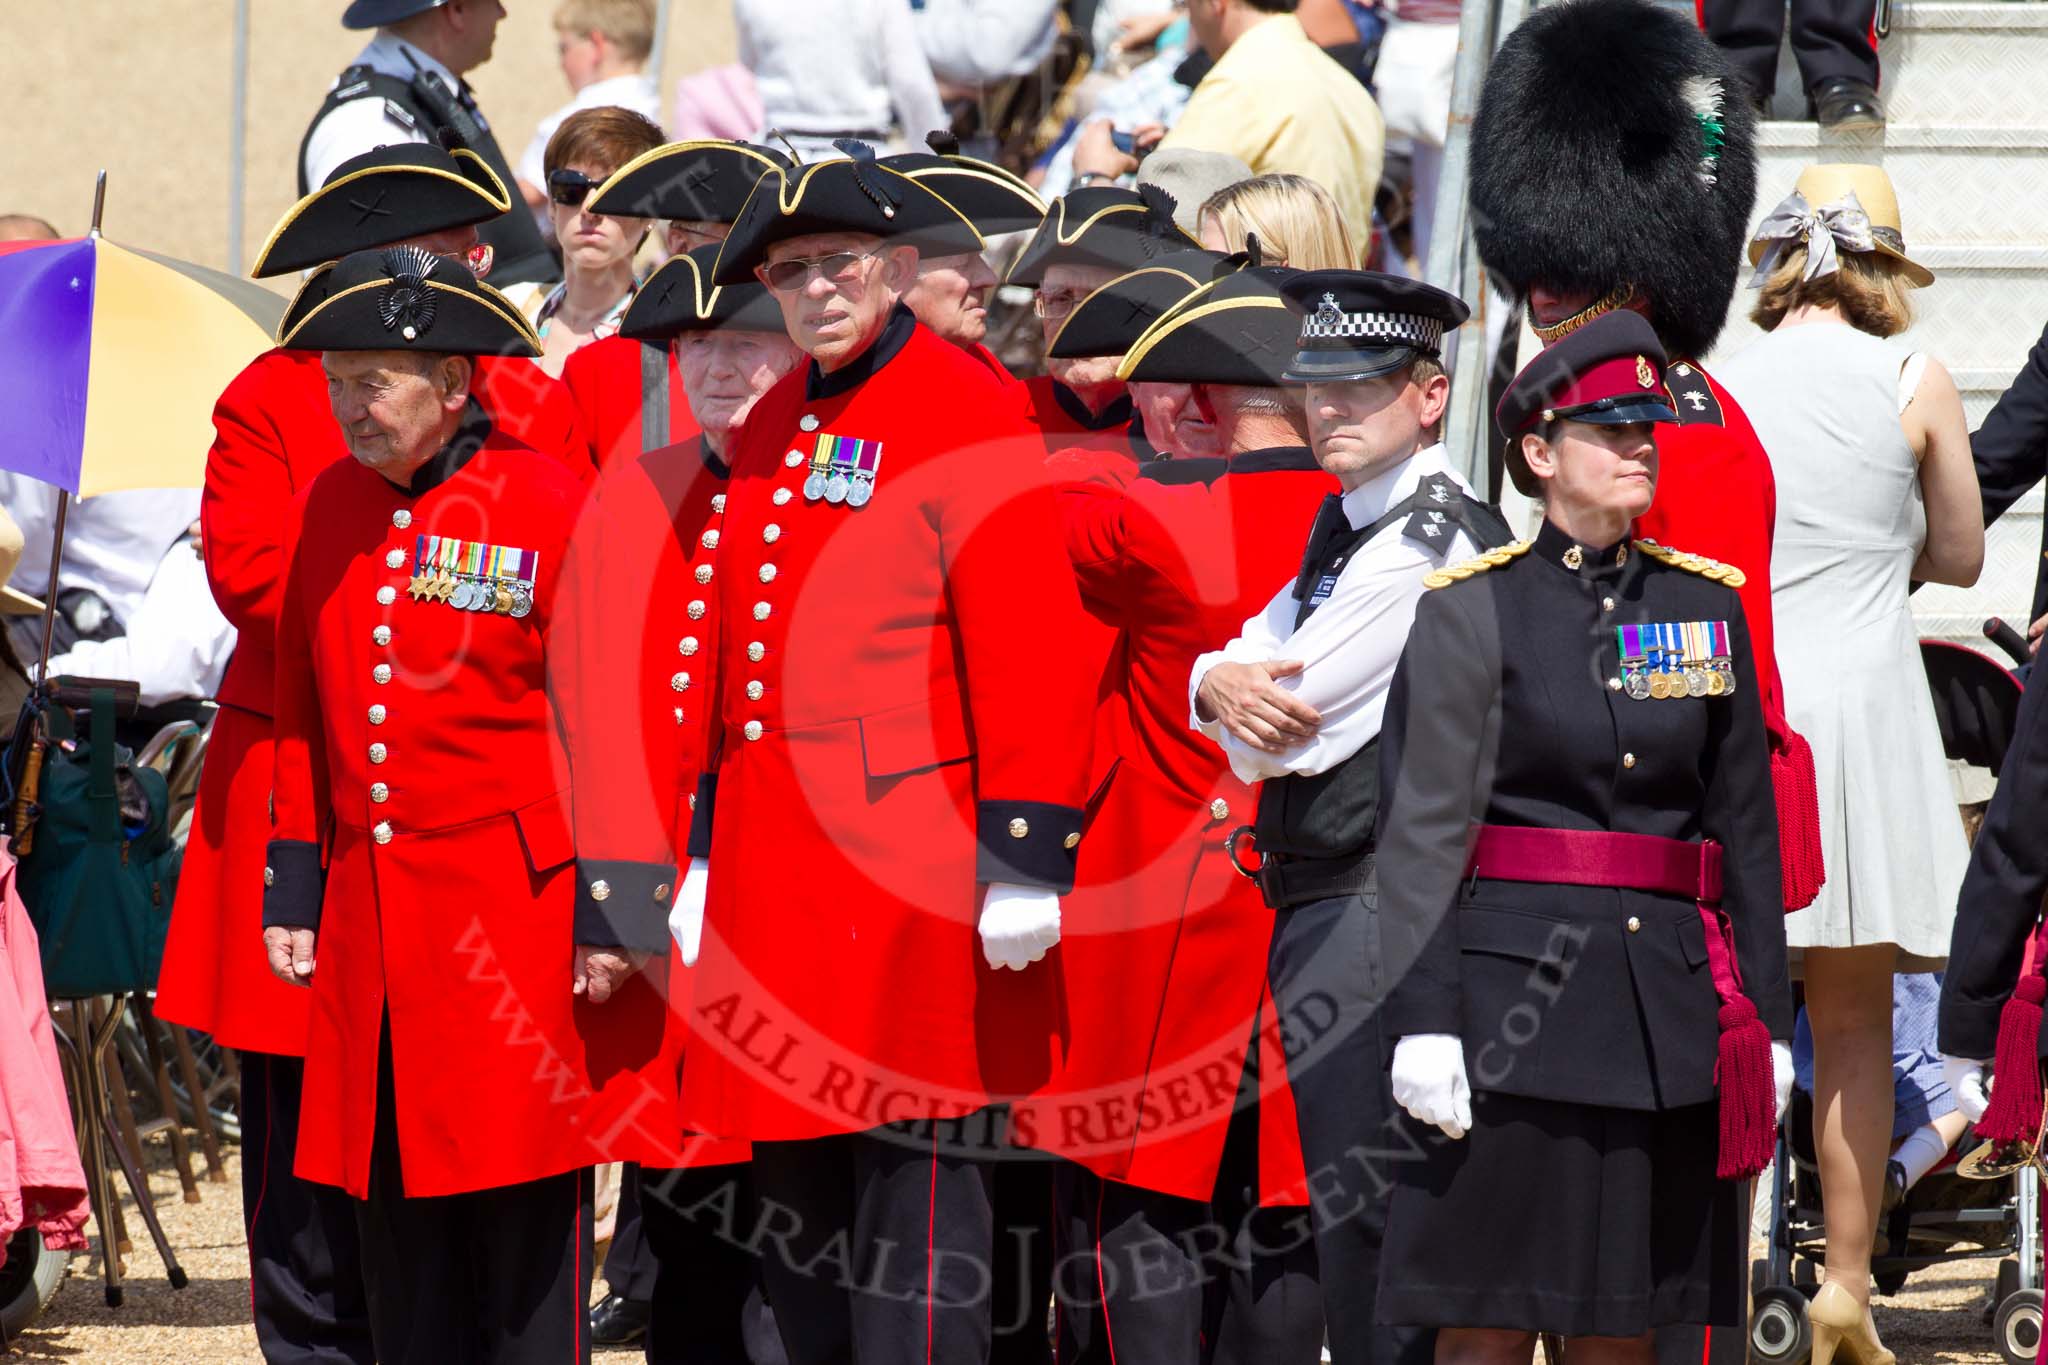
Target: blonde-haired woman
(1875,489)
(1297,222)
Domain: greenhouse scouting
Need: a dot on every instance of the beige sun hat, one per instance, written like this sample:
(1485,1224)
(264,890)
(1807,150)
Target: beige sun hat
(1832,194)
(13,602)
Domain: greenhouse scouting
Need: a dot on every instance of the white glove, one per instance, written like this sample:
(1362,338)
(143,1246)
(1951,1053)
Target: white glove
(1965,1077)
(1019,924)
(1782,1074)
(1429,1081)
(686,916)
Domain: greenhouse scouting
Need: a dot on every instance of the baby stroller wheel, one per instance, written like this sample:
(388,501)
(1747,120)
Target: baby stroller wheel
(2017,1328)
(1778,1330)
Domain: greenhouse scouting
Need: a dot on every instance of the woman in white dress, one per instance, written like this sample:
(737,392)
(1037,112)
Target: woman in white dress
(1875,490)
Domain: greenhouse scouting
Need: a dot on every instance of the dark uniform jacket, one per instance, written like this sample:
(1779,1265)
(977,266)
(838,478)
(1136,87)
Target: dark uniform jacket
(1508,709)
(2001,896)
(2011,452)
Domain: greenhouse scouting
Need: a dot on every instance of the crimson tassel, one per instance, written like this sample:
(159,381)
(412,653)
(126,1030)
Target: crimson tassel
(1749,1096)
(2014,1114)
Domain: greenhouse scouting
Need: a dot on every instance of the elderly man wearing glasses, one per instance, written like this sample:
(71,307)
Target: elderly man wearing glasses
(896,778)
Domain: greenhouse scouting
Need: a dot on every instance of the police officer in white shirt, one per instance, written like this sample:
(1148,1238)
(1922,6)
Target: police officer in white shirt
(1296,701)
(407,85)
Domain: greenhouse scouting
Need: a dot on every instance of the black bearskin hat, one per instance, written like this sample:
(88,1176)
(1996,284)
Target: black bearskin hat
(1614,145)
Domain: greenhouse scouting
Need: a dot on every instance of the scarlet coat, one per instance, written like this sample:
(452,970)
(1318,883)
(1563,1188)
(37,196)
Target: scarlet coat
(418,750)
(273,432)
(631,679)
(1717,497)
(1164,955)
(1056,413)
(895,729)
(607,381)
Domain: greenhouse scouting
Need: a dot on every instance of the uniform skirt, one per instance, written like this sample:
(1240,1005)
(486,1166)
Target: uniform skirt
(1564,1218)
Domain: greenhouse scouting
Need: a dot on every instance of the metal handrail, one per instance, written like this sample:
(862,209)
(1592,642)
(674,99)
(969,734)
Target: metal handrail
(1453,263)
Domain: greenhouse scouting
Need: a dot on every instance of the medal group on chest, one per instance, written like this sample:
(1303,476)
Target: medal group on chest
(469,575)
(1668,660)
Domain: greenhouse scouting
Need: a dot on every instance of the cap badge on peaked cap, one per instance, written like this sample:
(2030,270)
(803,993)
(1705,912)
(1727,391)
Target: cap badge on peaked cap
(1328,313)
(1645,376)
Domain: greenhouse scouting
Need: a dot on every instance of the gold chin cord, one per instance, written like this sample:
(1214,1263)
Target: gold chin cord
(1607,303)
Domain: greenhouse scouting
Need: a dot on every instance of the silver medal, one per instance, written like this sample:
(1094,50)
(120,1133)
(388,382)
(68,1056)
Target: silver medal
(464,595)
(814,485)
(522,599)
(836,488)
(1639,684)
(1695,682)
(863,489)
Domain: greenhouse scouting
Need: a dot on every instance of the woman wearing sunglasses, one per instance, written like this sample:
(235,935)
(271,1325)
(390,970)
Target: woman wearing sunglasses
(597,250)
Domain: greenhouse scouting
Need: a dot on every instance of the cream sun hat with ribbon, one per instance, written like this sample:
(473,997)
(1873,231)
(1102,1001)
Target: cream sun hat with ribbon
(1838,207)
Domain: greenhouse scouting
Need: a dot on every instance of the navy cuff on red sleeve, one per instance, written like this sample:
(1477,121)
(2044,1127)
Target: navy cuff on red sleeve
(700,817)
(624,904)
(1028,843)
(293,883)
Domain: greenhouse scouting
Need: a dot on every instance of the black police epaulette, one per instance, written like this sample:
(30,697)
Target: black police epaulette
(1692,397)
(1440,511)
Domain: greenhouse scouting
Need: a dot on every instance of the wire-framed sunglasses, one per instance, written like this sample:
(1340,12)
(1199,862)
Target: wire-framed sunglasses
(786,277)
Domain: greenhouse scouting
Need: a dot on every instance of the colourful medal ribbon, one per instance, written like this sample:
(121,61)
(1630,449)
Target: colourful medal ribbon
(821,455)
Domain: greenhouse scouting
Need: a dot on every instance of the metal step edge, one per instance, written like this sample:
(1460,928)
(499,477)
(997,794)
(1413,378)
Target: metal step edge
(1789,135)
(1968,18)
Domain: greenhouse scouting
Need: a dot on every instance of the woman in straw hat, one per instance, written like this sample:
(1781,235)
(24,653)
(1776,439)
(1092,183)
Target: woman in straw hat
(1875,490)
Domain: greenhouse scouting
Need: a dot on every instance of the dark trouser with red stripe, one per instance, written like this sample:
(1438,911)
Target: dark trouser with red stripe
(1322,963)
(705,1287)
(876,1246)
(305,1274)
(1829,38)
(1148,1277)
(491,1277)
(1024,1210)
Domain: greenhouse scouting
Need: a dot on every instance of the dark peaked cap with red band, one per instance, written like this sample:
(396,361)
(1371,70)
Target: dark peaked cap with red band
(404,298)
(1237,330)
(680,297)
(1609,373)
(383,196)
(986,195)
(1103,226)
(854,193)
(1110,320)
(704,182)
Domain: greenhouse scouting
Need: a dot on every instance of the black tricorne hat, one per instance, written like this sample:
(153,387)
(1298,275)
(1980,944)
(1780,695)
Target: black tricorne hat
(383,196)
(1609,372)
(680,297)
(377,13)
(986,195)
(1235,330)
(1104,226)
(1361,324)
(404,298)
(851,194)
(1110,320)
(1615,146)
(704,181)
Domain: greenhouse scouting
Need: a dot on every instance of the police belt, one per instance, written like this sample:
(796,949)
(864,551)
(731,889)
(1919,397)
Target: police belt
(1286,880)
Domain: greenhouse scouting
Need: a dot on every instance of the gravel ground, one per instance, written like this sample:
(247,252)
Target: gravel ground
(1938,1320)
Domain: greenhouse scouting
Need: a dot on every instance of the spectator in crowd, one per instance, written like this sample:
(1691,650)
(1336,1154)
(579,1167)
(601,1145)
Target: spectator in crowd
(862,76)
(1875,490)
(407,85)
(1273,98)
(1192,177)
(603,45)
(1412,81)
(1296,222)
(1149,97)
(597,248)
(973,43)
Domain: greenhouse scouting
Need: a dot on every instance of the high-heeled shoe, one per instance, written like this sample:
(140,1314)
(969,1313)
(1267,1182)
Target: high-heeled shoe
(1843,1327)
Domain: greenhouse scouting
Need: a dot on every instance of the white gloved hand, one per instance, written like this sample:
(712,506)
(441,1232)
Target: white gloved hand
(1019,924)
(686,916)
(1965,1077)
(1428,1077)
(1782,1075)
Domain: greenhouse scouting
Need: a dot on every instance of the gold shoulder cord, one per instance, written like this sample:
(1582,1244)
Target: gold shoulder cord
(1458,573)
(1712,569)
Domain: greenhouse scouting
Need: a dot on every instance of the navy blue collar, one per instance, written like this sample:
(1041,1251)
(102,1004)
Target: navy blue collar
(1273,460)
(470,434)
(1118,411)
(895,335)
(712,461)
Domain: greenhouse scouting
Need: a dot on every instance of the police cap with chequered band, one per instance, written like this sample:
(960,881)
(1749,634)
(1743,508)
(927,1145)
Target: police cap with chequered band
(1361,324)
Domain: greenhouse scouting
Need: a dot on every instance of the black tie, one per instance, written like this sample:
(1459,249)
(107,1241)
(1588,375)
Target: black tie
(1330,522)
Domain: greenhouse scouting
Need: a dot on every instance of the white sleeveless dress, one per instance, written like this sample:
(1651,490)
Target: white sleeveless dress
(1824,400)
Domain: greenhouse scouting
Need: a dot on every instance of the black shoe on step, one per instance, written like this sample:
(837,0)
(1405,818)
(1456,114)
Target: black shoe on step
(1847,106)
(617,1321)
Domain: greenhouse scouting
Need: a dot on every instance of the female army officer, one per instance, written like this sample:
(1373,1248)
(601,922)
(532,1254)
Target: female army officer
(1565,914)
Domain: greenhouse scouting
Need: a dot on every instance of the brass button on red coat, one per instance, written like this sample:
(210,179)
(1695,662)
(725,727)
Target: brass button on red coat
(381,831)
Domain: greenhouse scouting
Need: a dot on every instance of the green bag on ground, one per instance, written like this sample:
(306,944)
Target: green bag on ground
(101,870)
